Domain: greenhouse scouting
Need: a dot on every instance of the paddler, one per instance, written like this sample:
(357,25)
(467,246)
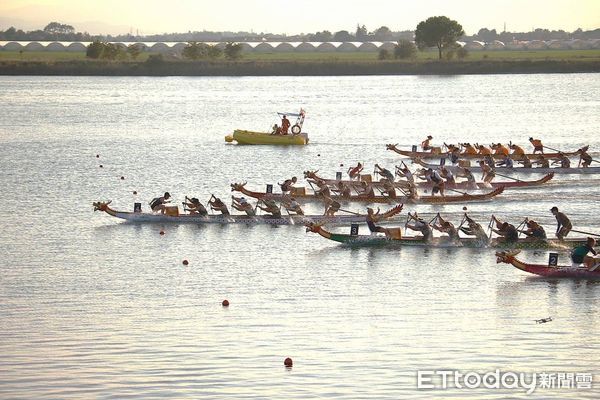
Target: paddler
(293,206)
(579,255)
(500,149)
(534,230)
(564,225)
(436,180)
(384,173)
(448,176)
(388,189)
(466,173)
(483,150)
(420,226)
(404,172)
(447,227)
(507,231)
(241,204)
(488,172)
(563,160)
(372,218)
(537,145)
(286,186)
(217,205)
(543,162)
(469,150)
(193,206)
(159,203)
(506,162)
(584,158)
(525,161)
(342,189)
(366,190)
(425,144)
(474,229)
(353,172)
(331,206)
(271,208)
(517,151)
(323,189)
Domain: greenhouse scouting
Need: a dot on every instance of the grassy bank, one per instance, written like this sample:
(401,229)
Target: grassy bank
(312,63)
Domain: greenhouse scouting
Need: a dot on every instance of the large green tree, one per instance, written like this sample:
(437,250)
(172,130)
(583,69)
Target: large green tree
(441,32)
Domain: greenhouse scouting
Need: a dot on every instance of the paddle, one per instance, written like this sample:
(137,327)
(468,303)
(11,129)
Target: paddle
(509,177)
(349,212)
(585,233)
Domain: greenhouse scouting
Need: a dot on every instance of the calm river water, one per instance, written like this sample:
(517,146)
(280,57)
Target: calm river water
(91,307)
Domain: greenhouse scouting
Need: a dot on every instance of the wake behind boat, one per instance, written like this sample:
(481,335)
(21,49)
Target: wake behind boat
(175,217)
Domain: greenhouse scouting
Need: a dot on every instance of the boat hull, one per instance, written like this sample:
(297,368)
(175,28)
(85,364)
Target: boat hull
(235,219)
(459,185)
(547,270)
(262,138)
(504,170)
(302,195)
(411,241)
(431,155)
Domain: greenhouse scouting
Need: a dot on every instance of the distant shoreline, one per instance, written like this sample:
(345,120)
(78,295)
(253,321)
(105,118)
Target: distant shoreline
(294,68)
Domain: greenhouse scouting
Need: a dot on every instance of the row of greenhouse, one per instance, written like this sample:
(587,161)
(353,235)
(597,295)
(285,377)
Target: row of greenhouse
(269,47)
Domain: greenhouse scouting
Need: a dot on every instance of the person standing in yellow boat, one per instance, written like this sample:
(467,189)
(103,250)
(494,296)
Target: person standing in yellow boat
(285,125)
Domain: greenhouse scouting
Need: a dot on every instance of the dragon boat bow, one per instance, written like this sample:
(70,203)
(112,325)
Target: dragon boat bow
(549,271)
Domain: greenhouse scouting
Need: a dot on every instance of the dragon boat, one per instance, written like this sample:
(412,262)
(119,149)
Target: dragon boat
(275,137)
(549,271)
(506,170)
(394,237)
(300,193)
(464,185)
(437,153)
(174,217)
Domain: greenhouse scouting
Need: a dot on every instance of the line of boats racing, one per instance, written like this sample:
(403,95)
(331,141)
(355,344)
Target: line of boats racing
(431,184)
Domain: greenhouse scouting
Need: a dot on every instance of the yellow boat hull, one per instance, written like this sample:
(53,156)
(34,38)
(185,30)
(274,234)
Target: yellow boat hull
(250,137)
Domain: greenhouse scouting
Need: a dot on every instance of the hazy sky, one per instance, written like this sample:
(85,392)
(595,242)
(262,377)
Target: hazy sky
(283,16)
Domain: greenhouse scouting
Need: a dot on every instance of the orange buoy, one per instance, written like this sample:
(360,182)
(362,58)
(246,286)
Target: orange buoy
(288,362)
(185,262)
(161,232)
(225,303)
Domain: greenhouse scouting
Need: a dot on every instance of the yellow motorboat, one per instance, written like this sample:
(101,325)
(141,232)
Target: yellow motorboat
(284,135)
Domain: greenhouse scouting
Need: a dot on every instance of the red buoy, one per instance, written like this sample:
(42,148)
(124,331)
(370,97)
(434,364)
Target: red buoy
(288,362)
(225,303)
(161,232)
(185,262)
